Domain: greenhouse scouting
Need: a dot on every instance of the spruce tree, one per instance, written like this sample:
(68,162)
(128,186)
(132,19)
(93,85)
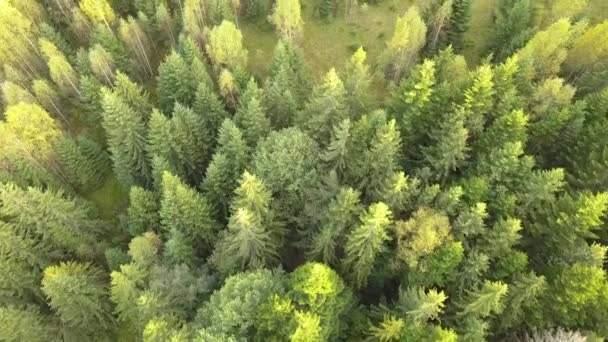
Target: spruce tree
(252,240)
(357,81)
(143,211)
(83,161)
(513,28)
(185,217)
(175,83)
(326,107)
(366,242)
(252,120)
(459,23)
(208,106)
(77,292)
(328,242)
(225,168)
(126,135)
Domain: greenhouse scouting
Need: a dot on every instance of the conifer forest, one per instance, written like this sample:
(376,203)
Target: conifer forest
(303,170)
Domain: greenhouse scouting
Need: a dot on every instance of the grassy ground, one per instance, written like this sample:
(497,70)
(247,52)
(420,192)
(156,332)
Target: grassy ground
(329,43)
(110,199)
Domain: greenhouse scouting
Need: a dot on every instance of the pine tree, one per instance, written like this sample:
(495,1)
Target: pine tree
(252,240)
(126,135)
(226,167)
(77,292)
(459,23)
(366,242)
(485,301)
(287,19)
(419,305)
(448,147)
(407,41)
(178,141)
(175,83)
(226,46)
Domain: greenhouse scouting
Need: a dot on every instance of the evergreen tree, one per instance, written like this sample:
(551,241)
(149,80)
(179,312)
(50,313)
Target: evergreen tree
(185,216)
(357,81)
(250,117)
(225,168)
(326,108)
(252,240)
(41,215)
(143,211)
(26,324)
(211,110)
(126,135)
(77,292)
(175,83)
(83,161)
(328,243)
(287,163)
(513,28)
(459,23)
(366,242)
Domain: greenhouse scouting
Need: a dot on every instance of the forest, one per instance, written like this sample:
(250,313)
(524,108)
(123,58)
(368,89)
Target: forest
(303,170)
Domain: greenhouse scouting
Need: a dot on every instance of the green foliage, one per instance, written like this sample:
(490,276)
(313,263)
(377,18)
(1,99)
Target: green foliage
(125,129)
(287,161)
(77,292)
(459,23)
(366,242)
(185,216)
(143,211)
(513,28)
(26,324)
(226,46)
(286,17)
(252,240)
(232,310)
(175,83)
(407,41)
(83,161)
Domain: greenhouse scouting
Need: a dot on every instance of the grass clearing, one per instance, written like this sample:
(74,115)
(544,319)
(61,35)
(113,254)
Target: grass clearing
(110,199)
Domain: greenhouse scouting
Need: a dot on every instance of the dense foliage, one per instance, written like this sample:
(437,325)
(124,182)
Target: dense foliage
(153,189)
